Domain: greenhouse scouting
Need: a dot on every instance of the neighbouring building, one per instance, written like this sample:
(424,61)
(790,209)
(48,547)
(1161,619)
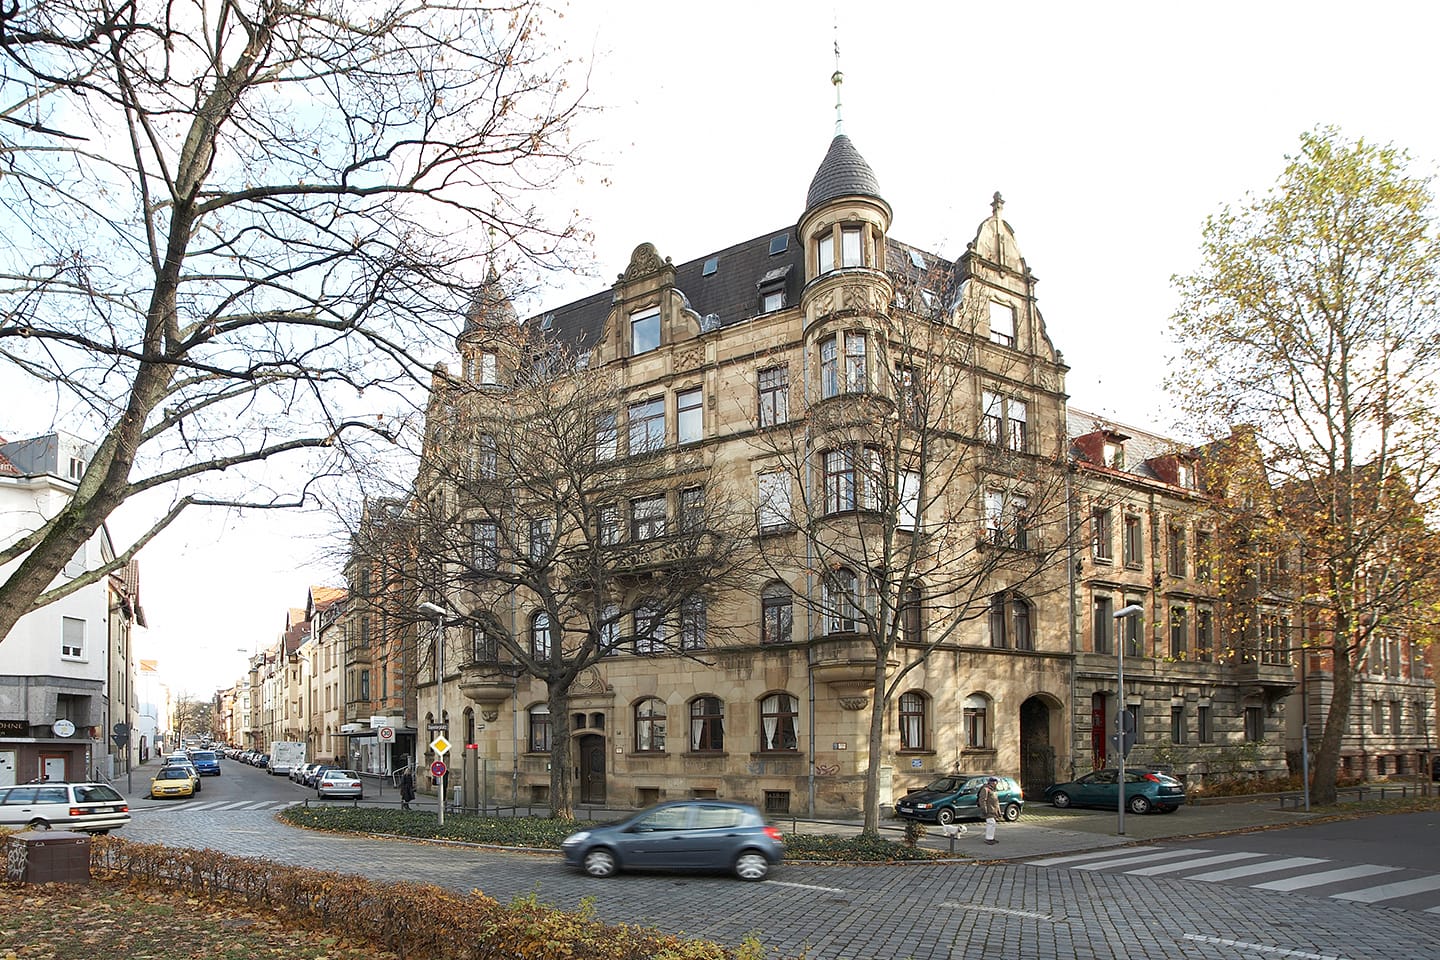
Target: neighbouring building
(67,671)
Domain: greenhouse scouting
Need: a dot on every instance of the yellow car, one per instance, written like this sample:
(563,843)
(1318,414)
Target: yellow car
(172,782)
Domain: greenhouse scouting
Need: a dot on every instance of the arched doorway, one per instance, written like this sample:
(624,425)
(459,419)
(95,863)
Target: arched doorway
(591,749)
(1037,751)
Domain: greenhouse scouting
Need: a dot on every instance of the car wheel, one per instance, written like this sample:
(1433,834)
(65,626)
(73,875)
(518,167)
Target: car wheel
(1012,812)
(945,815)
(1061,799)
(1139,805)
(100,832)
(751,866)
(37,825)
(600,862)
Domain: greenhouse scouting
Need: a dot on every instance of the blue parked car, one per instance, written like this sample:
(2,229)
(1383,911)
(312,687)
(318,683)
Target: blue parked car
(680,835)
(206,762)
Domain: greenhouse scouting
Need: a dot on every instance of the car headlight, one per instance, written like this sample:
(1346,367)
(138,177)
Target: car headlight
(923,806)
(575,838)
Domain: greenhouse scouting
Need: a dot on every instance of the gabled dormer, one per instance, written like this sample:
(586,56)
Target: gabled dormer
(1105,448)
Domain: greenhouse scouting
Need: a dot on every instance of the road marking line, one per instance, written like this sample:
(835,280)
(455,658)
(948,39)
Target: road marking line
(807,886)
(1391,891)
(1074,858)
(982,908)
(1251,869)
(233,805)
(1262,948)
(1324,877)
(1144,857)
(1202,862)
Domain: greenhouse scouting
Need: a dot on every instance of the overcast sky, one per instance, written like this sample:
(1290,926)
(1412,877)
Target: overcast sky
(1111,130)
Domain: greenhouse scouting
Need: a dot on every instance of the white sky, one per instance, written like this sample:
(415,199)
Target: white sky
(1111,130)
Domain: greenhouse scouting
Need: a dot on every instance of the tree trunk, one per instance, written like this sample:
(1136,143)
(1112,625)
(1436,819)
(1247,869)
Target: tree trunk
(1337,721)
(562,803)
(876,740)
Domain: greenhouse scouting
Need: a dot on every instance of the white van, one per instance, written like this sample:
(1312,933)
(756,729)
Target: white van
(90,807)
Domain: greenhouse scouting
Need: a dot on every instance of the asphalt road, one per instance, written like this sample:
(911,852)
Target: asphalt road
(1096,902)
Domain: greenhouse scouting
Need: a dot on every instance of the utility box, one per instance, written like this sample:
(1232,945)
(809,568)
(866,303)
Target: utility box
(47,856)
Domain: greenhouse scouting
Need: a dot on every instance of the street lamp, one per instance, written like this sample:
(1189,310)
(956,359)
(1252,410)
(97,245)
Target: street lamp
(438,612)
(1133,610)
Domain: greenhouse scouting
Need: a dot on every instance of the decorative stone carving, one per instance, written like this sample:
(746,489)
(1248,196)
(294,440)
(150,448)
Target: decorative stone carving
(589,681)
(489,716)
(854,703)
(644,262)
(690,359)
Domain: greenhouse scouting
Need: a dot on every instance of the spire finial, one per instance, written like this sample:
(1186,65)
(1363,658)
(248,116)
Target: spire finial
(837,78)
(997,203)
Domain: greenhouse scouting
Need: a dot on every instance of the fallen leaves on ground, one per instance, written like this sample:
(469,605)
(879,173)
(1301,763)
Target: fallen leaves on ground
(86,921)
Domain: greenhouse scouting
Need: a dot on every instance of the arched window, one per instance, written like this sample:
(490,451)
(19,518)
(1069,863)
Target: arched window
(777,612)
(912,721)
(540,636)
(707,724)
(650,726)
(841,596)
(469,716)
(540,729)
(912,615)
(977,722)
(1010,622)
(779,719)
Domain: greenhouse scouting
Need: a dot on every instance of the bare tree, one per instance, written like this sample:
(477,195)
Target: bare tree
(920,506)
(556,542)
(226,220)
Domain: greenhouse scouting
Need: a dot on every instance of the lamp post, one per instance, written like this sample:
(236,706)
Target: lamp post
(1133,610)
(438,612)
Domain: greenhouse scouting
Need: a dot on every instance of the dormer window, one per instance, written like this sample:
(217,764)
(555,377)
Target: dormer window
(1002,324)
(772,290)
(644,332)
(1115,454)
(779,244)
(1185,476)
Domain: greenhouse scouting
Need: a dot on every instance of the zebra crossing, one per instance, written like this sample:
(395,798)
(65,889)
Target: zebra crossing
(223,805)
(1369,883)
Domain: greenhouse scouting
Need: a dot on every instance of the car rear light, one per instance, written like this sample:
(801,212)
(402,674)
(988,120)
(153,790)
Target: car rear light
(76,812)
(124,808)
(772,832)
(1152,778)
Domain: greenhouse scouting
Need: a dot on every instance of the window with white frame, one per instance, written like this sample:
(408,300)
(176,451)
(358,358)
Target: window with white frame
(487,369)
(852,252)
(774,387)
(825,252)
(1102,534)
(540,539)
(487,458)
(689,416)
(644,331)
(72,638)
(908,512)
(647,426)
(774,496)
(541,636)
(853,478)
(976,722)
(609,630)
(1002,323)
(843,364)
(1004,421)
(609,524)
(912,720)
(779,723)
(1007,519)
(692,510)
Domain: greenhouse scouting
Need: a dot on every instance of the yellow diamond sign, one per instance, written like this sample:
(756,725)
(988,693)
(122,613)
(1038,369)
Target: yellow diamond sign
(440,745)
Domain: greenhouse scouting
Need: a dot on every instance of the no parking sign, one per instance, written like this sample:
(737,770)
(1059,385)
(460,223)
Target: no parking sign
(437,769)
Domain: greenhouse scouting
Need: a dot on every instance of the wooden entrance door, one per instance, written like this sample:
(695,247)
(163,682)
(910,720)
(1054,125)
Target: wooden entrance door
(592,769)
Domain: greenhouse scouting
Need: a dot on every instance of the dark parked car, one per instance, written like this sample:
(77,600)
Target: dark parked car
(206,762)
(952,798)
(680,835)
(1145,790)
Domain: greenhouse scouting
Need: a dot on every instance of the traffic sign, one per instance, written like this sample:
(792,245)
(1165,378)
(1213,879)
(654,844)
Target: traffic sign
(440,745)
(387,733)
(1122,746)
(437,769)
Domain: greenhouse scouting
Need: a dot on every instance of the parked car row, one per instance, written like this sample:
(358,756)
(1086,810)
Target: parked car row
(950,798)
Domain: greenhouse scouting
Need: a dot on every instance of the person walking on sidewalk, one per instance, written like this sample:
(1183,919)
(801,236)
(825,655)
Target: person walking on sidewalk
(407,788)
(988,802)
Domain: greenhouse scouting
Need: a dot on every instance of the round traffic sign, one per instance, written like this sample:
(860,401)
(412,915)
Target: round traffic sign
(387,733)
(437,769)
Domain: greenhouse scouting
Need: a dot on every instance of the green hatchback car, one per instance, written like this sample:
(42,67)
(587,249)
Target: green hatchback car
(952,798)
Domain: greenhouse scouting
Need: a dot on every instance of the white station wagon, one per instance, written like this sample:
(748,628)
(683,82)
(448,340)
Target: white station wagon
(89,807)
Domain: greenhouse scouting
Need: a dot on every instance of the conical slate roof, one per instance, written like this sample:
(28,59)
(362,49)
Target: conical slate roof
(843,173)
(491,308)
